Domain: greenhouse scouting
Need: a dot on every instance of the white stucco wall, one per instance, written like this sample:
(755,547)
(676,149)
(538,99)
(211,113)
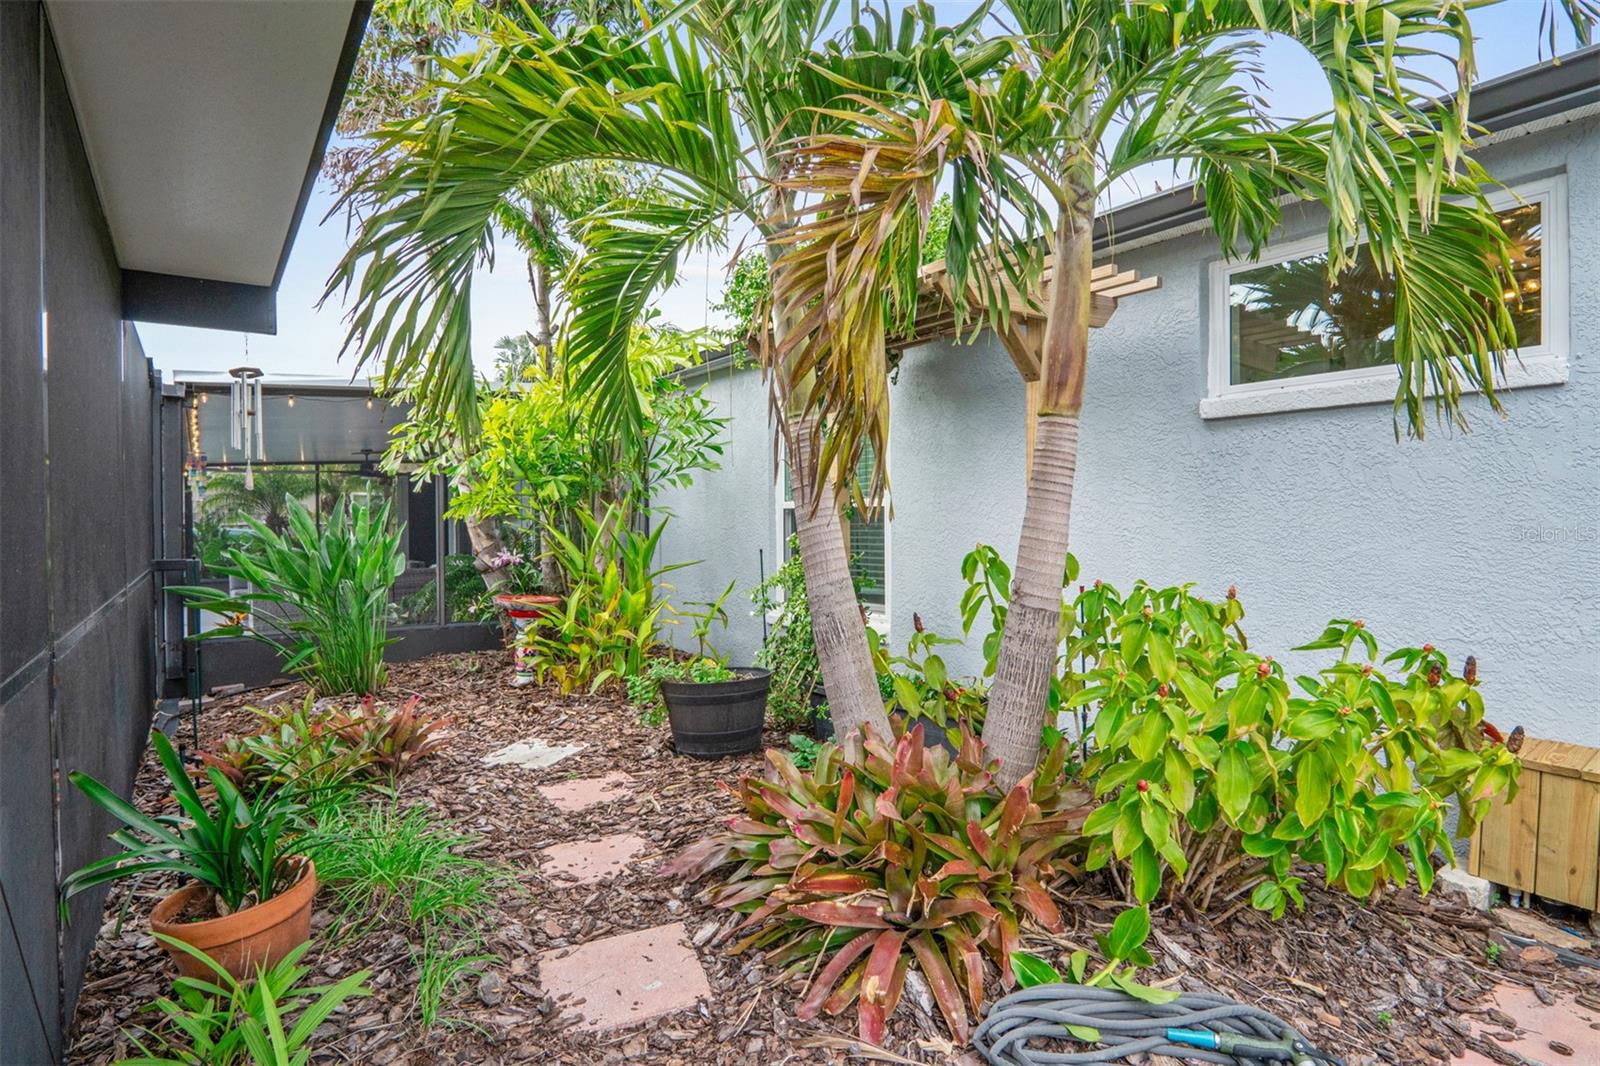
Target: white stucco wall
(1484,543)
(724,522)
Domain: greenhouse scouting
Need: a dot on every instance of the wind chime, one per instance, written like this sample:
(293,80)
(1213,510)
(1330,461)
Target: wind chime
(247,419)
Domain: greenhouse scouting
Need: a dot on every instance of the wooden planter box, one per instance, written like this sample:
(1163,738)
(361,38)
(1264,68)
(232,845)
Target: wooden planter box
(1547,840)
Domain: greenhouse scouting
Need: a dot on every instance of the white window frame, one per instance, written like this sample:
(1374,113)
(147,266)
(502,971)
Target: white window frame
(877,617)
(1541,364)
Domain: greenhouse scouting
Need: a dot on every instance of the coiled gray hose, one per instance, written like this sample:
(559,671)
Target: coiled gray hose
(1127,1026)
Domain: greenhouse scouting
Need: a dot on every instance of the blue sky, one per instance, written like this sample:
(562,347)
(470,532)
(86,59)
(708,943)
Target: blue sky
(308,338)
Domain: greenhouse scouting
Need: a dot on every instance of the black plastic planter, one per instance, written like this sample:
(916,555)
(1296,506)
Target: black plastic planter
(932,735)
(722,718)
(821,724)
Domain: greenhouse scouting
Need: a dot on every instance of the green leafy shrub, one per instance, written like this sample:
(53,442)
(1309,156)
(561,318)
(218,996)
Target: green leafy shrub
(238,848)
(321,600)
(1124,952)
(849,871)
(268,1021)
(1217,778)
(924,690)
(384,864)
(790,650)
(465,596)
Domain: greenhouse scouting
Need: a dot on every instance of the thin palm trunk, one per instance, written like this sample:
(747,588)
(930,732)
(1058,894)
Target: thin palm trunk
(487,549)
(1020,695)
(837,625)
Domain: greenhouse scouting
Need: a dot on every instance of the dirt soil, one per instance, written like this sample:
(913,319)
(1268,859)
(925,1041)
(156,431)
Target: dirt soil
(1405,981)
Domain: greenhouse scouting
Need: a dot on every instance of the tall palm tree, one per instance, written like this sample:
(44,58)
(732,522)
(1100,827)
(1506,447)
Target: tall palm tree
(698,102)
(1091,91)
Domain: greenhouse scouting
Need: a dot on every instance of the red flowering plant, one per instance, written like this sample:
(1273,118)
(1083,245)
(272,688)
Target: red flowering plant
(856,869)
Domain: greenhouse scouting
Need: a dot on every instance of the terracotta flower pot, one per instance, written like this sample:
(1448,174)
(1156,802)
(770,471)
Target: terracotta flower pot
(245,940)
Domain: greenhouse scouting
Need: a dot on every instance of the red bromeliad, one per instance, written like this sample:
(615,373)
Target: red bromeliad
(853,869)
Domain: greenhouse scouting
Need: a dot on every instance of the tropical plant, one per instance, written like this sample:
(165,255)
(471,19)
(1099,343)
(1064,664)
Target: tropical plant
(610,621)
(241,849)
(271,1020)
(1217,780)
(320,599)
(925,692)
(1124,952)
(292,750)
(1089,92)
(851,870)
(790,650)
(710,613)
(388,742)
(699,102)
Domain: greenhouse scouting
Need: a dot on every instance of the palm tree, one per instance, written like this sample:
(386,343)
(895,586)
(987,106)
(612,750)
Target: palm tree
(264,496)
(699,103)
(1093,90)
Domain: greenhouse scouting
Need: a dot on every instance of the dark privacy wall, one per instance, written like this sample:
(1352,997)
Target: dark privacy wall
(77,520)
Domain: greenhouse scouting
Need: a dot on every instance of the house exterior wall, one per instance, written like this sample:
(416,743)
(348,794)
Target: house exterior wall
(1484,543)
(77,535)
(725,524)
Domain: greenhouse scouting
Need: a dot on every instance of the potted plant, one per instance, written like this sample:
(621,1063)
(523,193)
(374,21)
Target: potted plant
(248,902)
(713,709)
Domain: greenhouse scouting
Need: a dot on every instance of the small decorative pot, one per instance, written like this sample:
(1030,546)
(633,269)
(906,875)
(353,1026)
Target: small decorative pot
(524,612)
(243,941)
(722,718)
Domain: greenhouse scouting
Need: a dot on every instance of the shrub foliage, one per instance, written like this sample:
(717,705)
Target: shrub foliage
(1217,776)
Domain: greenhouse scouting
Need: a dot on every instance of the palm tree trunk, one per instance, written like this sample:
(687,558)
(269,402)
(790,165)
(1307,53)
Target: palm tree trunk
(543,335)
(1028,649)
(838,627)
(487,549)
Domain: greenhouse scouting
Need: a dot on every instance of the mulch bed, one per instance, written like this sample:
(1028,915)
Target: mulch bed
(1402,982)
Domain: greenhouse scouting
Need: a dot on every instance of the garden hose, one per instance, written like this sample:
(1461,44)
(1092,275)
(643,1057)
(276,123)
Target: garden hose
(1195,1026)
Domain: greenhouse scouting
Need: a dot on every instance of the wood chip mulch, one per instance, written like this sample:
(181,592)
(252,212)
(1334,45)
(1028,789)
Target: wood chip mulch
(1404,981)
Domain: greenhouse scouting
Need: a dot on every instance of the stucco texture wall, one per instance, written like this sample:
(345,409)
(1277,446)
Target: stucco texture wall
(1484,543)
(724,522)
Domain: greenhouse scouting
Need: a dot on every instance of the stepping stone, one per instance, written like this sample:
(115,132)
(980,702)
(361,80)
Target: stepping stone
(573,796)
(532,753)
(589,861)
(1564,1022)
(626,979)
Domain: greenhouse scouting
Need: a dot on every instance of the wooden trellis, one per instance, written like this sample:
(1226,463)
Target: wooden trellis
(1023,335)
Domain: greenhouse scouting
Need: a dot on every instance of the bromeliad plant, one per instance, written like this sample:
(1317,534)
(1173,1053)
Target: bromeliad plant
(852,870)
(1217,778)
(314,752)
(238,848)
(326,594)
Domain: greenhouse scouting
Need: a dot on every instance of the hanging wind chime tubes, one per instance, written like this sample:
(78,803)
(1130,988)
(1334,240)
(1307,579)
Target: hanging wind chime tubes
(247,419)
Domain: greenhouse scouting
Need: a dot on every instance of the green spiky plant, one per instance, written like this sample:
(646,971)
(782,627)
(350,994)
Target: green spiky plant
(325,594)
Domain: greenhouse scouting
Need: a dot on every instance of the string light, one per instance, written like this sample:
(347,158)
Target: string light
(291,399)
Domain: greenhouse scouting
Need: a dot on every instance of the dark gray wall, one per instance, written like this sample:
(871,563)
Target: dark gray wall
(77,524)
